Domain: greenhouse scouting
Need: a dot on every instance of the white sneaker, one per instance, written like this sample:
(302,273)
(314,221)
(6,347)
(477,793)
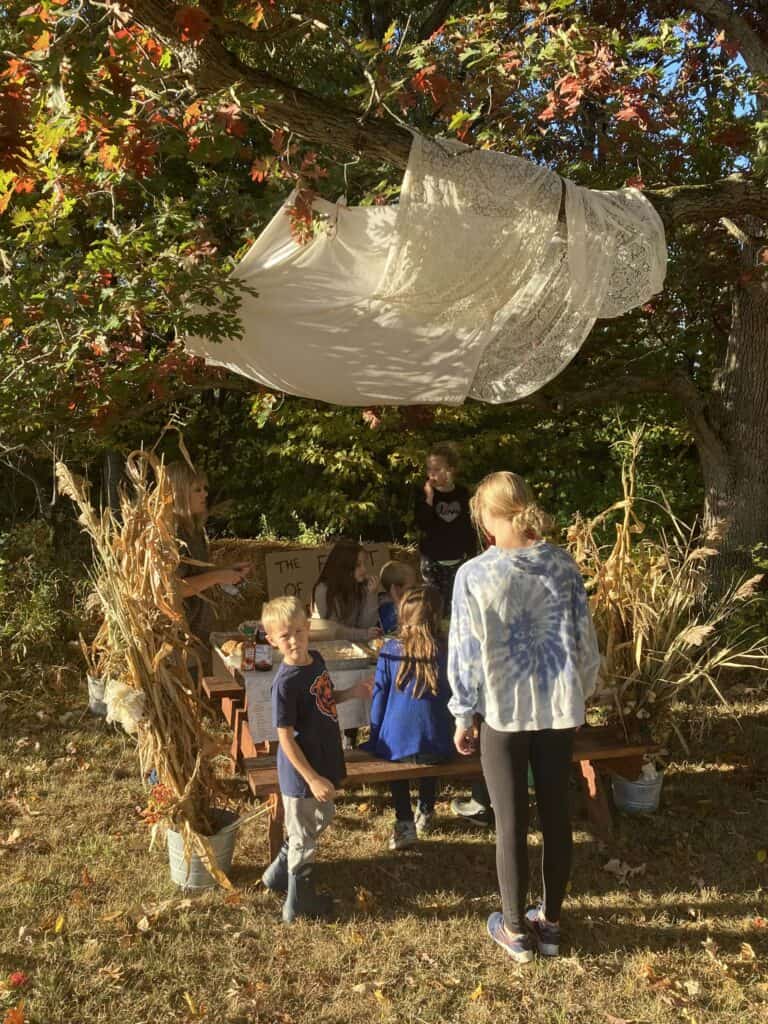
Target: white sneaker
(403,836)
(423,822)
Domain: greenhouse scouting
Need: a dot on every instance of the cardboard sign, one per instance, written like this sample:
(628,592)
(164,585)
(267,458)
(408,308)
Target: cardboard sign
(294,573)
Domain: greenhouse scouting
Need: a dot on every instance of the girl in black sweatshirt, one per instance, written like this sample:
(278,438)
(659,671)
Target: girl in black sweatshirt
(442,516)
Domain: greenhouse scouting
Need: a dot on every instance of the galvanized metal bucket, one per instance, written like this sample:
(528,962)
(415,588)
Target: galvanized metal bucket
(195,875)
(639,797)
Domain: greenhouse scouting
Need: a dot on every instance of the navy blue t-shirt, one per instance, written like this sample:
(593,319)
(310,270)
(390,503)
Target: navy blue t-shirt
(302,699)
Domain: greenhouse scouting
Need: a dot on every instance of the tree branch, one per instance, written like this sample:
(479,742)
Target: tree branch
(735,196)
(435,18)
(675,385)
(738,31)
(211,67)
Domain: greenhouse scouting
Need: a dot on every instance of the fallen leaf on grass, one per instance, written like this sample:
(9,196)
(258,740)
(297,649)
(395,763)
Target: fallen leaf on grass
(15,1015)
(13,839)
(112,915)
(379,996)
(143,924)
(692,987)
(622,870)
(85,879)
(477,994)
(58,928)
(112,971)
(364,898)
(197,1012)
(362,987)
(746,952)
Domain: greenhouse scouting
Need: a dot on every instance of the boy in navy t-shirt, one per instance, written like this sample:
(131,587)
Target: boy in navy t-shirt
(310,759)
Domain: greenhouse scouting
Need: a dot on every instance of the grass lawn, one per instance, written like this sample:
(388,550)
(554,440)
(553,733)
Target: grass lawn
(89,914)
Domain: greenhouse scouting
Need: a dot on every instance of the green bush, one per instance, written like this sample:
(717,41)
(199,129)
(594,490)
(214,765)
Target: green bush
(41,592)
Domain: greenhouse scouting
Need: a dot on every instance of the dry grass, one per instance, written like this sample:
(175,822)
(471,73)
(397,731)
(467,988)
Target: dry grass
(90,915)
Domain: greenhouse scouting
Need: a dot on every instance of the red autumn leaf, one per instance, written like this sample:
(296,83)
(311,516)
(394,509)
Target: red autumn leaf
(277,140)
(729,49)
(18,979)
(25,185)
(260,169)
(230,116)
(733,136)
(635,182)
(138,156)
(635,112)
(194,24)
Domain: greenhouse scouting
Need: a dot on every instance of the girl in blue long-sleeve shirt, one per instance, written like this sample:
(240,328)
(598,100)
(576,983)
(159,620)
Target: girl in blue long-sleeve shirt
(410,720)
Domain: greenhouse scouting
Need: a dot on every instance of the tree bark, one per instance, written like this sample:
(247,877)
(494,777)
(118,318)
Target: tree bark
(736,483)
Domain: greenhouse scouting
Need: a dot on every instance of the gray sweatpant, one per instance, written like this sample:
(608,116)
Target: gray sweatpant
(305,821)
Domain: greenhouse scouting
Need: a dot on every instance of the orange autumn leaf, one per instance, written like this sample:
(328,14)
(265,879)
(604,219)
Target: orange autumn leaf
(42,42)
(194,24)
(15,1015)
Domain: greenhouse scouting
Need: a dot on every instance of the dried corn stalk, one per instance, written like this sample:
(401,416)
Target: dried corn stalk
(144,639)
(660,637)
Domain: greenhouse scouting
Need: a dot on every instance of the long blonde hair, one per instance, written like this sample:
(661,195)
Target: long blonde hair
(183,478)
(418,615)
(509,497)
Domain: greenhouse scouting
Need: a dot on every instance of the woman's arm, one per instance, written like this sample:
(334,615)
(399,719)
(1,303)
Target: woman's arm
(322,788)
(191,585)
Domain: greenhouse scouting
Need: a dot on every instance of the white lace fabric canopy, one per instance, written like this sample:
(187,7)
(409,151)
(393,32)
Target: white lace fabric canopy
(469,287)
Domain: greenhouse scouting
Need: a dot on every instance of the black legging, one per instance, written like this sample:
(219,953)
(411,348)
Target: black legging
(505,757)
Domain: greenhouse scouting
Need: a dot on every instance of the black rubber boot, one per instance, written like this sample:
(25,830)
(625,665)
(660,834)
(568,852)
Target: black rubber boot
(302,900)
(276,875)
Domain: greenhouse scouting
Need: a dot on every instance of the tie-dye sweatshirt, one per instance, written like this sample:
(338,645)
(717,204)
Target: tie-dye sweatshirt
(522,648)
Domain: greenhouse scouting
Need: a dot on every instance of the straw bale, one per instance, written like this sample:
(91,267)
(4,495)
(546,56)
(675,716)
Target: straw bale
(231,610)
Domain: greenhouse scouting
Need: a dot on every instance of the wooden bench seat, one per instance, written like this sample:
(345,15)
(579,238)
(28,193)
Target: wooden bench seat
(597,751)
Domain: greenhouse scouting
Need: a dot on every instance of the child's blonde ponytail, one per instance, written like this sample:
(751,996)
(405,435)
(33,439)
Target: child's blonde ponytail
(507,496)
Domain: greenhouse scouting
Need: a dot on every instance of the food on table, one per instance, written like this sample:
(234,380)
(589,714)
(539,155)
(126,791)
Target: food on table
(232,648)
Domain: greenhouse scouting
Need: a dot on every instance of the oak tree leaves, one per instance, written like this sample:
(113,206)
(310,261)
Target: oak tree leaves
(193,23)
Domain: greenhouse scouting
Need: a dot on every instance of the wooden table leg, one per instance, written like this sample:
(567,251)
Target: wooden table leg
(598,808)
(275,824)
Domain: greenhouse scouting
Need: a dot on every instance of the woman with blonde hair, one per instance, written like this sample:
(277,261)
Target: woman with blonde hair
(190,504)
(410,720)
(522,660)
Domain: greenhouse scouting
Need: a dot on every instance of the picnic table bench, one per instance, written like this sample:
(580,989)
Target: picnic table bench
(597,751)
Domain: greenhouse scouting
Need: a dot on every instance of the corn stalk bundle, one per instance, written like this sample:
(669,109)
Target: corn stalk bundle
(662,636)
(145,637)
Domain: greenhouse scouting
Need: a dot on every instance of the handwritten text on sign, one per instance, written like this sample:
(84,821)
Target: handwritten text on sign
(294,573)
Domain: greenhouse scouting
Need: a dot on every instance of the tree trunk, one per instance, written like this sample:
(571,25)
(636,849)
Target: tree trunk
(736,503)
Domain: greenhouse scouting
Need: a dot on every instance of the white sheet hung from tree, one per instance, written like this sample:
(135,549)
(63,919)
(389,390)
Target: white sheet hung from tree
(468,287)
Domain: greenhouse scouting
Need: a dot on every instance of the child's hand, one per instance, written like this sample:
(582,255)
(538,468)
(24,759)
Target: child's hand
(363,689)
(429,492)
(464,740)
(374,631)
(322,789)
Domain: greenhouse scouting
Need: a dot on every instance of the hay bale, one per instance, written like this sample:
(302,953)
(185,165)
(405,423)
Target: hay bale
(232,610)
